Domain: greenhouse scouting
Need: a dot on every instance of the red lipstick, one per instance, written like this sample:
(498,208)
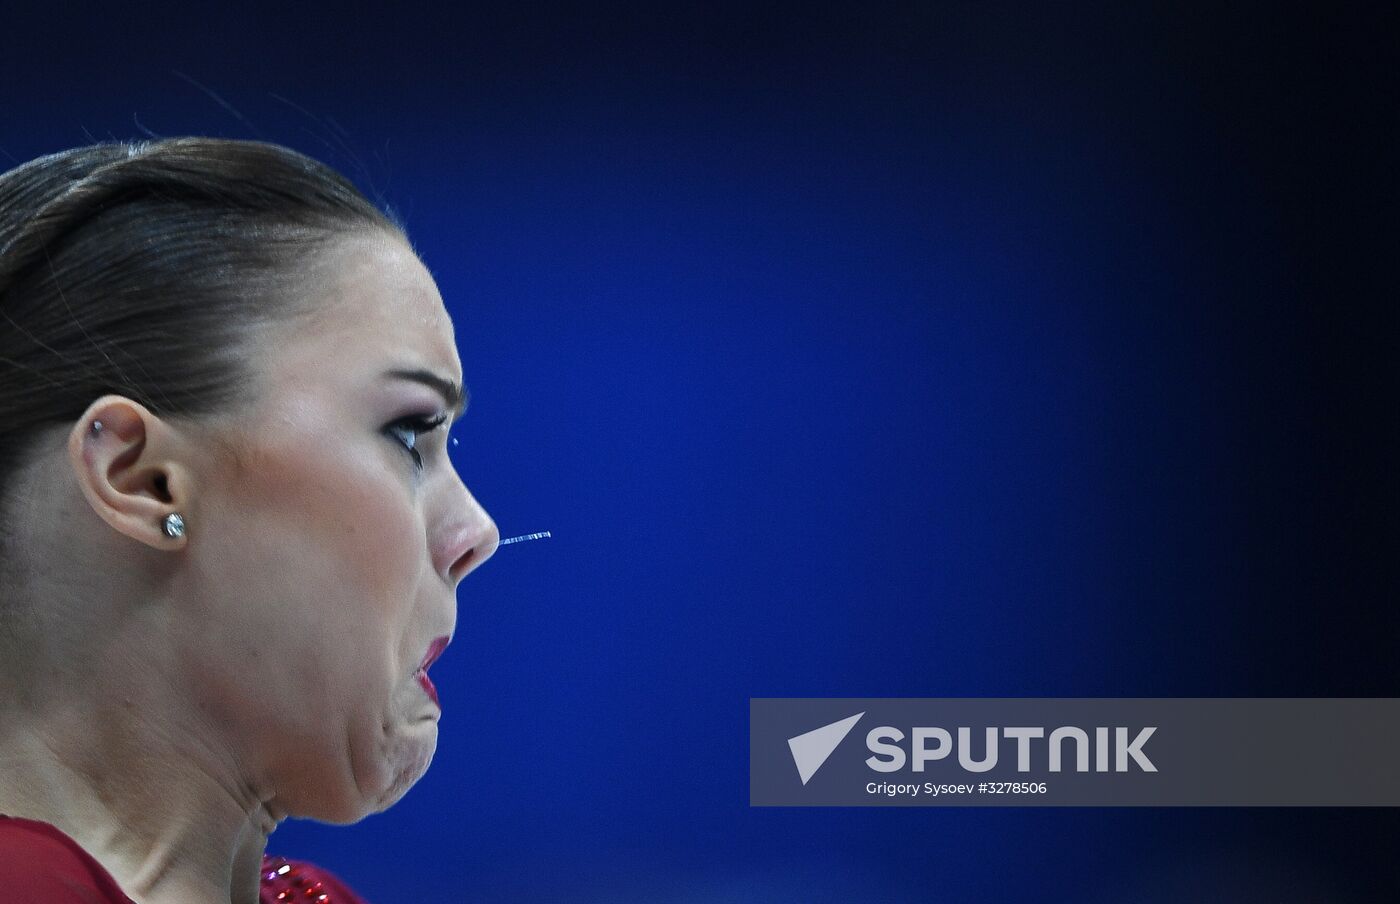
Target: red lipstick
(434,651)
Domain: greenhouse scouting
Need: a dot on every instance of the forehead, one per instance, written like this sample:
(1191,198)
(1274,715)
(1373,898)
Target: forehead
(374,306)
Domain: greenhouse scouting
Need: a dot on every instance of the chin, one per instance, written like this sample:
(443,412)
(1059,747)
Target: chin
(398,782)
(401,784)
(388,751)
(383,763)
(407,757)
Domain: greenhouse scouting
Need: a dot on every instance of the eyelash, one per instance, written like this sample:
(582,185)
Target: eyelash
(417,425)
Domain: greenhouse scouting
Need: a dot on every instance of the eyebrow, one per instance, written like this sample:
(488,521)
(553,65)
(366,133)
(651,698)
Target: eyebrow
(455,395)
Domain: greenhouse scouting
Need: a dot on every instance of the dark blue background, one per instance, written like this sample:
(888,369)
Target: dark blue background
(896,350)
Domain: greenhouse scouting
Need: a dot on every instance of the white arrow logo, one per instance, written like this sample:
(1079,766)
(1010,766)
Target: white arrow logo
(810,750)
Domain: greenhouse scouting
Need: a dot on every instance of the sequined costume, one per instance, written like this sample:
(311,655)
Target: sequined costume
(41,865)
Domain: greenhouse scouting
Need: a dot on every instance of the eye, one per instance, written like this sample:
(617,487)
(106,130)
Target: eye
(413,427)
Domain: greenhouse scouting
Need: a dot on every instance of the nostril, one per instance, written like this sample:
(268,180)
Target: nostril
(460,567)
(471,547)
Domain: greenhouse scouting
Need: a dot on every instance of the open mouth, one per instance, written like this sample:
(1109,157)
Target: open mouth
(434,651)
(427,684)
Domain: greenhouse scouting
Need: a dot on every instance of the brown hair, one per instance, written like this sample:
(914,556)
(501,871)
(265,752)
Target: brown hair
(144,268)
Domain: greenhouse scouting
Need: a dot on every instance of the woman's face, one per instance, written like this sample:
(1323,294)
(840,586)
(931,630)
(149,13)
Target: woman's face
(328,550)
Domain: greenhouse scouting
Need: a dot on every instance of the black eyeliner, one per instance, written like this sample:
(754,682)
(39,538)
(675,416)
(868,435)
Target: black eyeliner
(418,425)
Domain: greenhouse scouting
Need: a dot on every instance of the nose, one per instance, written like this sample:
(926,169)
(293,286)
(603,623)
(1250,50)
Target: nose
(465,542)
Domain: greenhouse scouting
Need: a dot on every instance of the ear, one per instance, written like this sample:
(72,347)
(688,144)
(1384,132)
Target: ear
(131,471)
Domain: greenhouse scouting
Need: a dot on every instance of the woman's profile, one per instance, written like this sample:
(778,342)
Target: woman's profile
(230,532)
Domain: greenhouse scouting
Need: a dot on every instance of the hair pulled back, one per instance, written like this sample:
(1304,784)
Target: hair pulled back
(145,269)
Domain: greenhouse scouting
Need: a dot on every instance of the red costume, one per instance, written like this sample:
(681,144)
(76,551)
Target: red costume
(41,865)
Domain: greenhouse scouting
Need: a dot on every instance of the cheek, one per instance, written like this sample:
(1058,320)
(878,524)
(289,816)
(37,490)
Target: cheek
(336,539)
(308,572)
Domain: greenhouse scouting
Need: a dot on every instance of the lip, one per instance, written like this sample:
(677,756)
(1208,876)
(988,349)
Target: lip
(434,651)
(427,684)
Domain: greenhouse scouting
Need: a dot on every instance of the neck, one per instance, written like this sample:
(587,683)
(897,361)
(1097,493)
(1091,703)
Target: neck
(109,754)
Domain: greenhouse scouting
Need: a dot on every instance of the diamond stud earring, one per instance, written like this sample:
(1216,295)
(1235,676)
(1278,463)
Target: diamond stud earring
(174,525)
(96,427)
